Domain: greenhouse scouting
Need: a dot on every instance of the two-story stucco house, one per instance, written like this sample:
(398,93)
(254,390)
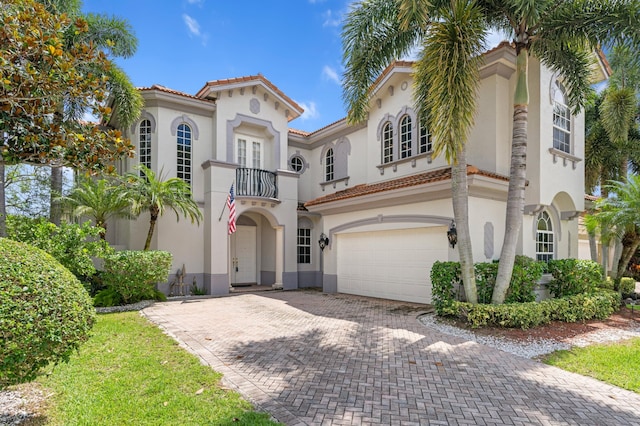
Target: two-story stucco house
(374,190)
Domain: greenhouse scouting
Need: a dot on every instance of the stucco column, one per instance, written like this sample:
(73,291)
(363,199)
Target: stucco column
(279,257)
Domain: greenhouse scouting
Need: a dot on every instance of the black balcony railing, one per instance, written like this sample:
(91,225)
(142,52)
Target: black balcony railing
(256,183)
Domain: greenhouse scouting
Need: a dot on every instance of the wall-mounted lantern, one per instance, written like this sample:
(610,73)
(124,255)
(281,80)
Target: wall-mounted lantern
(323,241)
(452,235)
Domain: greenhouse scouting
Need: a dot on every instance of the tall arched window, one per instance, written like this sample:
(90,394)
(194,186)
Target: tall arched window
(144,143)
(544,238)
(184,152)
(561,120)
(328,165)
(387,143)
(406,143)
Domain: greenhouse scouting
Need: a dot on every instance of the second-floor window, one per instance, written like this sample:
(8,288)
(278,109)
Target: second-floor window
(184,153)
(387,143)
(425,144)
(405,137)
(144,143)
(328,165)
(561,120)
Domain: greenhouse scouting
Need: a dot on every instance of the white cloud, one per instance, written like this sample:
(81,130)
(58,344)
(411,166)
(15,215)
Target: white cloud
(331,74)
(194,28)
(192,25)
(310,110)
(495,37)
(331,19)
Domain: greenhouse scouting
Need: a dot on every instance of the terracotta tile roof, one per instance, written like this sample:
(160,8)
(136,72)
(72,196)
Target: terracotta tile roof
(299,132)
(173,92)
(248,79)
(403,182)
(591,197)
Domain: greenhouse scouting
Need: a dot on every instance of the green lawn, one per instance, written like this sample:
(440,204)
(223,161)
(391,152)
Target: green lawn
(617,364)
(130,373)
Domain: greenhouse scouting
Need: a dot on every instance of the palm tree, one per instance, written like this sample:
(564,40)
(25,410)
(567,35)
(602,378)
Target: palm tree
(620,214)
(451,37)
(100,200)
(115,37)
(154,194)
(612,142)
(561,35)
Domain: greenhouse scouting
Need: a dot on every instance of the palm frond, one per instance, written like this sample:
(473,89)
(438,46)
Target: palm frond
(618,112)
(447,75)
(127,100)
(373,36)
(111,34)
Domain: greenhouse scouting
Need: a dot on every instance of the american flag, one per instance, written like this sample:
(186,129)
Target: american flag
(231,204)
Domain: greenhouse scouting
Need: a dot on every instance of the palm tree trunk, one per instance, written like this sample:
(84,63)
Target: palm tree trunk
(593,246)
(618,249)
(605,259)
(3,200)
(460,200)
(517,179)
(55,206)
(631,244)
(152,226)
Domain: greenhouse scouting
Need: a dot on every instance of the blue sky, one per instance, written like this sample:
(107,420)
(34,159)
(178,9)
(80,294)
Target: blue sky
(295,44)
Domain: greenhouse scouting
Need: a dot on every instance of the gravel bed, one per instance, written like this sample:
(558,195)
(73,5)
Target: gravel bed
(530,348)
(125,308)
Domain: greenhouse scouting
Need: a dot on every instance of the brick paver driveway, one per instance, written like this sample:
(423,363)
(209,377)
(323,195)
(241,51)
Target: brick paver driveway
(312,358)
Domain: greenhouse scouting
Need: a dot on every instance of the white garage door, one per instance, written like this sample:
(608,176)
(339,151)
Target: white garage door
(390,264)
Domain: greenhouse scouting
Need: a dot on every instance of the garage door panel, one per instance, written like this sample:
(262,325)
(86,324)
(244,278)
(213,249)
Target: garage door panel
(390,264)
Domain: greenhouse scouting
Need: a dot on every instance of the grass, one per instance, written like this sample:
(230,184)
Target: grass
(130,373)
(617,364)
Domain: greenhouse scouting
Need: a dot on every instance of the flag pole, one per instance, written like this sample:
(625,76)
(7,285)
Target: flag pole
(222,212)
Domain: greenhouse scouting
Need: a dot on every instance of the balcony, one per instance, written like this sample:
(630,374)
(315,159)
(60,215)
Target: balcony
(256,183)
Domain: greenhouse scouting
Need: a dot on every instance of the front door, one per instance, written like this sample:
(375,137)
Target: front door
(243,264)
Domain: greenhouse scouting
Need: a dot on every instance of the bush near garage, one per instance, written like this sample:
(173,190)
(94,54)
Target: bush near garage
(45,312)
(520,311)
(133,276)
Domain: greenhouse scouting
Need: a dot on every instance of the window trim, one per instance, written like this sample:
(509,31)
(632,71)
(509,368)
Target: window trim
(329,170)
(561,112)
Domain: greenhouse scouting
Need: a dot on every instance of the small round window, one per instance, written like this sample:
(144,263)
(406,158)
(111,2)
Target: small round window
(296,163)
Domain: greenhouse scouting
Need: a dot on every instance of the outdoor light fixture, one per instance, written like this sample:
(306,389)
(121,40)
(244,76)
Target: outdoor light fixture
(323,241)
(452,234)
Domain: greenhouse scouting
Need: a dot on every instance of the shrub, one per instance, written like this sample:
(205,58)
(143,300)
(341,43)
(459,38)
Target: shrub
(607,284)
(134,274)
(107,297)
(627,286)
(73,245)
(581,307)
(573,276)
(446,280)
(45,313)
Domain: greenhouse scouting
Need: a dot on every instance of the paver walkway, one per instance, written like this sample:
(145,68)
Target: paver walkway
(315,359)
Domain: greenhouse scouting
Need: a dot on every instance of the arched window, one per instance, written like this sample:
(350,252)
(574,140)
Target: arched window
(561,120)
(425,144)
(387,143)
(328,165)
(405,137)
(544,238)
(144,143)
(184,152)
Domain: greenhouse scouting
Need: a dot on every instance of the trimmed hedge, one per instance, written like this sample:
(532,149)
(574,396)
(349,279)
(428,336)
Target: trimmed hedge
(45,312)
(574,276)
(446,281)
(133,275)
(582,307)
